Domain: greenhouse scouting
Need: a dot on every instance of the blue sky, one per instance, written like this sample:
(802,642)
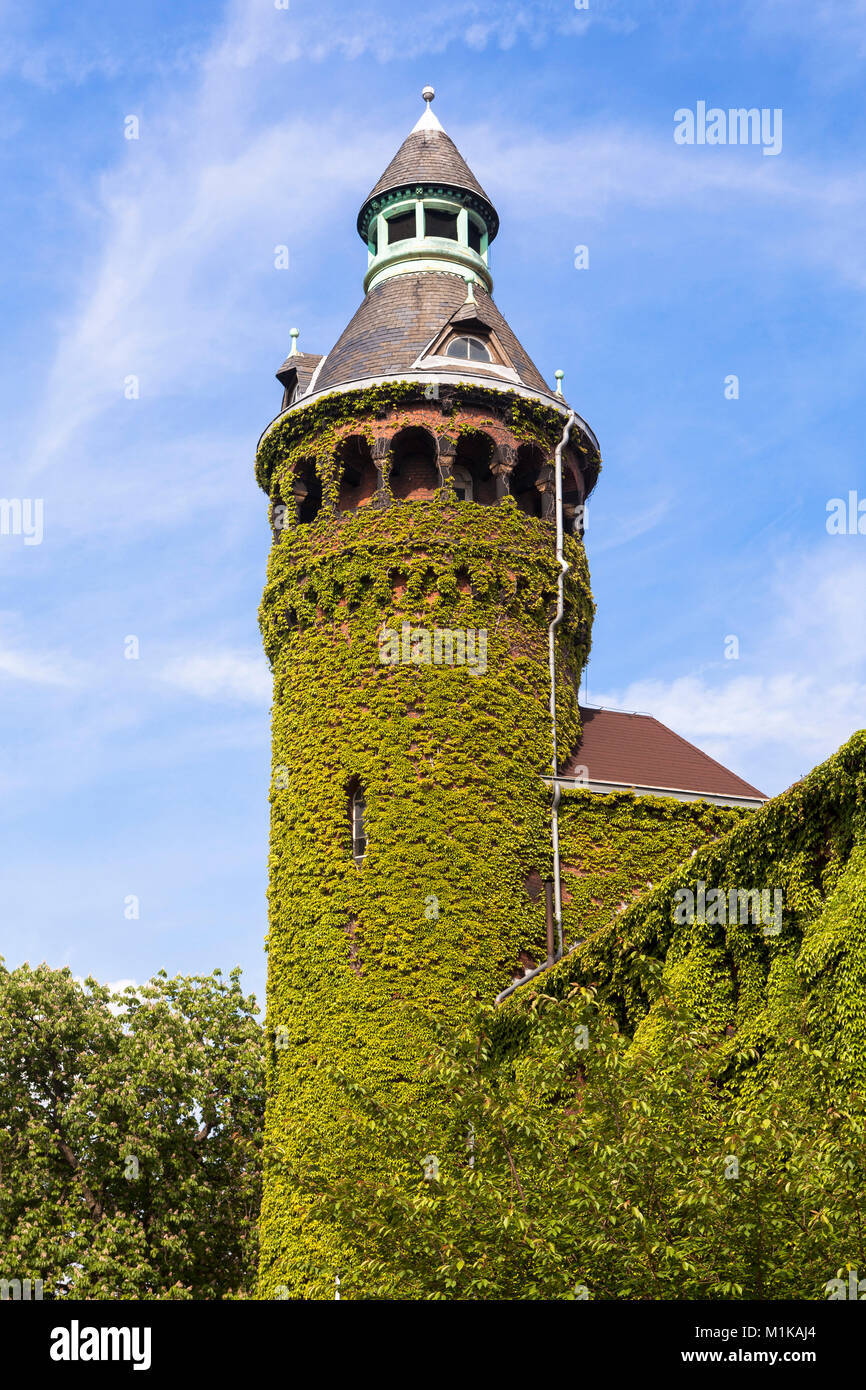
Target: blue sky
(154,258)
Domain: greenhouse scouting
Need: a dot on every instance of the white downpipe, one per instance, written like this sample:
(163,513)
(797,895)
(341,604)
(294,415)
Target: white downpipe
(564,567)
(560,609)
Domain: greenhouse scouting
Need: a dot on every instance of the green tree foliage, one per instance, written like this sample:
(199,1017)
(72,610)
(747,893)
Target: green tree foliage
(130,1135)
(601,1171)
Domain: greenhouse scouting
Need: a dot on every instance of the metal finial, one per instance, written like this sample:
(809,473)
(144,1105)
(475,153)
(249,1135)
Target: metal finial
(470,289)
(294,335)
(559,376)
(428,94)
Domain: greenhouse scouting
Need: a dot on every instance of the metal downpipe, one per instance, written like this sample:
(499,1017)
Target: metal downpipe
(551,635)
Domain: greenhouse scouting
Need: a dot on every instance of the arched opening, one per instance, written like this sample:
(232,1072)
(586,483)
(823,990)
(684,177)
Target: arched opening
(471,471)
(357,813)
(359,479)
(307,492)
(524,479)
(414,472)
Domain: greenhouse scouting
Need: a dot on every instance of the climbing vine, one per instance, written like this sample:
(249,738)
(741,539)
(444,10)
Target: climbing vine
(749,981)
(450,758)
(366,957)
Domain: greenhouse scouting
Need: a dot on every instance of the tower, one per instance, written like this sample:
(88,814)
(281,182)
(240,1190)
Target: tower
(410,609)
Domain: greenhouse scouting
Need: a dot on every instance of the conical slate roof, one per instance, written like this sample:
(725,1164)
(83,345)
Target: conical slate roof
(401,317)
(418,300)
(428,157)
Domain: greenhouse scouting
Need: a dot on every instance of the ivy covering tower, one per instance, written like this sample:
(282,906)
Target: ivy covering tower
(411,588)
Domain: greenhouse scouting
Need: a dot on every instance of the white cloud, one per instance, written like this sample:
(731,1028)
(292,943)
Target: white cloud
(187,233)
(621,530)
(33,667)
(814,214)
(808,698)
(192,212)
(234,676)
(315,30)
(116,1007)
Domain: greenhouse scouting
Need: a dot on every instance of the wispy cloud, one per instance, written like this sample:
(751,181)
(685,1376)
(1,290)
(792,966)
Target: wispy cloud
(809,695)
(33,668)
(314,32)
(192,212)
(623,529)
(233,676)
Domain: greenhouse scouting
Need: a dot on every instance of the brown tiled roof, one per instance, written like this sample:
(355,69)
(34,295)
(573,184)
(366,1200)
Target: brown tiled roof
(304,363)
(401,316)
(427,156)
(637,751)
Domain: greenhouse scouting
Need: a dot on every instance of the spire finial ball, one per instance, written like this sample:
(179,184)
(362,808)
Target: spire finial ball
(428,94)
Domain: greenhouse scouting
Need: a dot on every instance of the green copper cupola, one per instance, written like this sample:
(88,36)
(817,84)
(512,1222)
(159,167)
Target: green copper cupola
(428,211)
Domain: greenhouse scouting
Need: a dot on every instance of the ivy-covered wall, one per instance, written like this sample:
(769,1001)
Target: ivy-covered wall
(616,846)
(755,983)
(451,761)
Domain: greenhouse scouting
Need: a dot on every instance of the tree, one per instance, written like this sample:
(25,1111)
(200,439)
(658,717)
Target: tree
(130,1135)
(573,1163)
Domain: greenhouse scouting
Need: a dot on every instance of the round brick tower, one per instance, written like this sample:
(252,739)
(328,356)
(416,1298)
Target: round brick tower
(411,587)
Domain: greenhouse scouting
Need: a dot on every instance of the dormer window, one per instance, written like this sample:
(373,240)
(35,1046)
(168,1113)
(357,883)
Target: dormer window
(401,227)
(469,349)
(443,224)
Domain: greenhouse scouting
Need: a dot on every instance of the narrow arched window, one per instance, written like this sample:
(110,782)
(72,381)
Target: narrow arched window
(357,820)
(471,349)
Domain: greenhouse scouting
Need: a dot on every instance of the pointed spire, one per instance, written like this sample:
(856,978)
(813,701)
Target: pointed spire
(428,158)
(294,335)
(428,121)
